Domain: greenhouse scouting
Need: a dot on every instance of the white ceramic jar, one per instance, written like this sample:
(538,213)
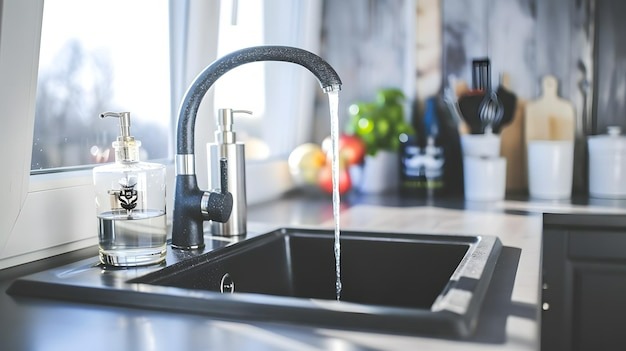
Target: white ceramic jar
(607,165)
(550,169)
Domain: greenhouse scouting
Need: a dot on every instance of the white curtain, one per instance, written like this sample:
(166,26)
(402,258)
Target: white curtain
(290,89)
(193,45)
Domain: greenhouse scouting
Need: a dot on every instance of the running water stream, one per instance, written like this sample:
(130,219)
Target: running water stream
(333,101)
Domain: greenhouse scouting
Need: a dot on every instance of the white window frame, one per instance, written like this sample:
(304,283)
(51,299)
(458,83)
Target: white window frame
(24,215)
(48,214)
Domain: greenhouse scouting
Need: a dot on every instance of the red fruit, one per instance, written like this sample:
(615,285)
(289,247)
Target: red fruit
(325,180)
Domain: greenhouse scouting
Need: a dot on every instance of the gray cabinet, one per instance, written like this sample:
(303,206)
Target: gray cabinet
(584,282)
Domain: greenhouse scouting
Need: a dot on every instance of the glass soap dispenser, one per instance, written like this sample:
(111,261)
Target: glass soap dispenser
(130,204)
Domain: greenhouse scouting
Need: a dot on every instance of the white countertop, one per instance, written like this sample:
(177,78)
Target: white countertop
(32,323)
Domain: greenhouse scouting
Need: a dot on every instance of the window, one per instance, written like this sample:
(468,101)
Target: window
(49,213)
(117,61)
(280,95)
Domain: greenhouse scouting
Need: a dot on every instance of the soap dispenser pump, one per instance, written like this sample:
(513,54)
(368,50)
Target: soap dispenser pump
(227,147)
(130,204)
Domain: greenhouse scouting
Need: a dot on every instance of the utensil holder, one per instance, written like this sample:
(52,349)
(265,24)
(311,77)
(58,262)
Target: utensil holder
(484,178)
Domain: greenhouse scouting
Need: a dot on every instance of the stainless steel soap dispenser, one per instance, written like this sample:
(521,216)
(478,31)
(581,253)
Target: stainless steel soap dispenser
(130,204)
(227,147)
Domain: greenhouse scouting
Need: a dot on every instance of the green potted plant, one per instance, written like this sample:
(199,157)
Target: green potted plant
(379,124)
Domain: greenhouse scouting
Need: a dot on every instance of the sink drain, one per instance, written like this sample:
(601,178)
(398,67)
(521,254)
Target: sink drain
(227,285)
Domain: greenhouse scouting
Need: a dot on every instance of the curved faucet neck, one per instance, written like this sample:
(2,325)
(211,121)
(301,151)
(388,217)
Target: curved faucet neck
(185,145)
(191,205)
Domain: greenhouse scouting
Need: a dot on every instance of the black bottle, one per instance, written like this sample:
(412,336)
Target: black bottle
(412,167)
(431,161)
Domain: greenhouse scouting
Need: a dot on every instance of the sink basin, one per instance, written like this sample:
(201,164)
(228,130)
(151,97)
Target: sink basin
(403,283)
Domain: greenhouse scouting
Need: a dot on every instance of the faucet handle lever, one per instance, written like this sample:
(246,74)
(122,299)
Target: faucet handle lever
(217,205)
(224,175)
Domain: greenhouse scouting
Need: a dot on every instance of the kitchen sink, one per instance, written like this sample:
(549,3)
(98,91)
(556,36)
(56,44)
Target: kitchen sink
(430,285)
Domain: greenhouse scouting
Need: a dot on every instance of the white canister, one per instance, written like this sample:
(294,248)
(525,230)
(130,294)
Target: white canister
(607,165)
(378,174)
(484,178)
(550,169)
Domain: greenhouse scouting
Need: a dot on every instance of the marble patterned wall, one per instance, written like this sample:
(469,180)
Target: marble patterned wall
(610,88)
(371,44)
(366,42)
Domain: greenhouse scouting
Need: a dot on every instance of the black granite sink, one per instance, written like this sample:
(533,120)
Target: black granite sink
(423,284)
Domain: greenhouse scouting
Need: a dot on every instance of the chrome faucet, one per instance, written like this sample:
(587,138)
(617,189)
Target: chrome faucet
(191,205)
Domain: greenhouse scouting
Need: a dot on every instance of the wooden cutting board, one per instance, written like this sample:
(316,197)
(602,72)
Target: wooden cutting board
(513,145)
(549,117)
(461,88)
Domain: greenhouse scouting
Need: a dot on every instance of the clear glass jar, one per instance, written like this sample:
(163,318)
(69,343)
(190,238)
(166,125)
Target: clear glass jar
(130,204)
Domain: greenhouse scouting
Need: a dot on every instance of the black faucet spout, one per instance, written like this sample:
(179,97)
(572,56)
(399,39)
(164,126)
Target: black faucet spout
(190,203)
(329,81)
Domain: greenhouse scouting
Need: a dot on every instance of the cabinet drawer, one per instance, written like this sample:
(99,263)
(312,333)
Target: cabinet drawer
(605,245)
